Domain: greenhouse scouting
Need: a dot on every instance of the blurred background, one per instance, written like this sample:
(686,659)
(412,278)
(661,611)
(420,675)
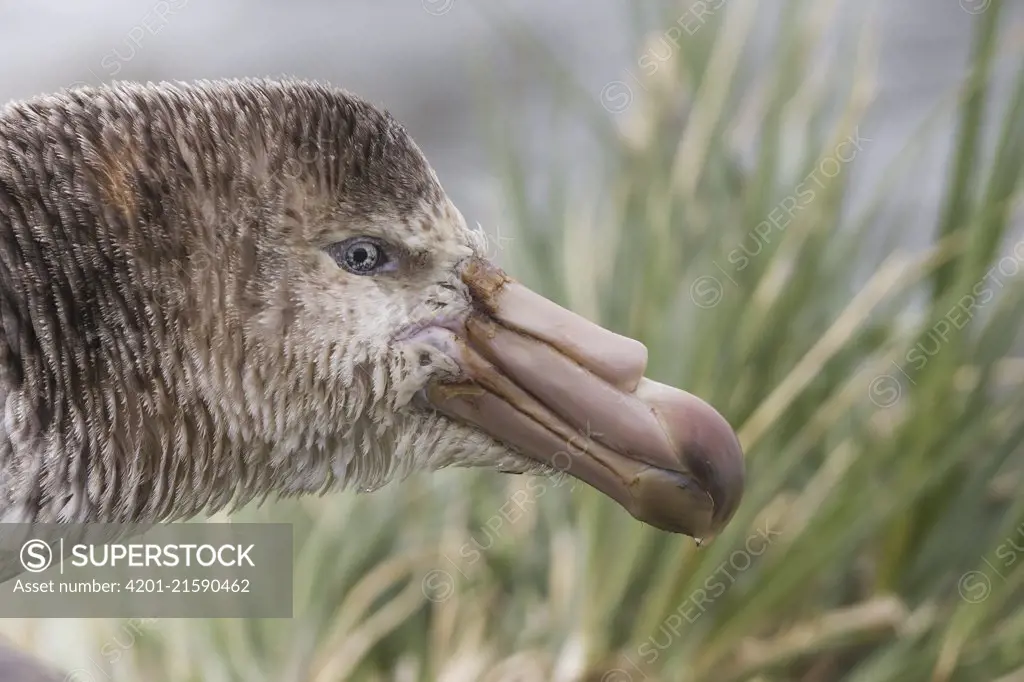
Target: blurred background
(809,210)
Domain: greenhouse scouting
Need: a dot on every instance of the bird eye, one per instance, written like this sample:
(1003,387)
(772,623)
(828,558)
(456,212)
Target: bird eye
(360,256)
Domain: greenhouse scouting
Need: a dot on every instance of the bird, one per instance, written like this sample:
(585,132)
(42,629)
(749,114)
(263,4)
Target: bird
(217,292)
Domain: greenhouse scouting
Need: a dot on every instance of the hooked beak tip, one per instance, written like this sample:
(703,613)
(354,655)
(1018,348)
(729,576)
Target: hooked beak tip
(706,444)
(695,485)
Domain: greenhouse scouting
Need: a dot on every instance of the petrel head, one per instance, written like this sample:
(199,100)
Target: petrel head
(218,291)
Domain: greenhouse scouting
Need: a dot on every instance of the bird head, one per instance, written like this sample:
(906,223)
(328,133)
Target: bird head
(235,289)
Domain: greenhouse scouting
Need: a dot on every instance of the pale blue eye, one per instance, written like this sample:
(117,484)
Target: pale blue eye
(360,255)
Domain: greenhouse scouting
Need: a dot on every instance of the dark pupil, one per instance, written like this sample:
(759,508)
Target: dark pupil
(362,257)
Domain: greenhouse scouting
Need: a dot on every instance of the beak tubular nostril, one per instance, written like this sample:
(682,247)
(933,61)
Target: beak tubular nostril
(485,280)
(619,360)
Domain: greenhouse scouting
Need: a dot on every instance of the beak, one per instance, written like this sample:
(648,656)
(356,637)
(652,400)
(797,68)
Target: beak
(570,394)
